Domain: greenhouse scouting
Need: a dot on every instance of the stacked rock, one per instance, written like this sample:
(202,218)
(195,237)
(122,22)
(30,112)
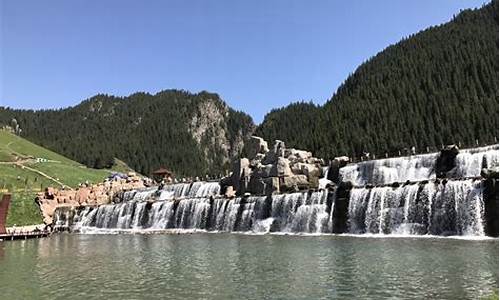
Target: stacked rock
(278,170)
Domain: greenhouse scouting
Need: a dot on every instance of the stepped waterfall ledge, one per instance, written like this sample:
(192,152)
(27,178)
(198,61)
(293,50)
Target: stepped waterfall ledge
(449,193)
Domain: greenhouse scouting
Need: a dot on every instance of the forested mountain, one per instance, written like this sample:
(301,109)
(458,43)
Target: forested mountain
(192,134)
(436,87)
(439,86)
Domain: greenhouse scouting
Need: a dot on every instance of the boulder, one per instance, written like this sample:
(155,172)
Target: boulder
(259,157)
(297,168)
(314,160)
(294,183)
(312,170)
(489,173)
(230,192)
(313,182)
(266,169)
(269,158)
(451,148)
(300,156)
(281,168)
(279,148)
(343,161)
(102,193)
(256,185)
(240,167)
(263,171)
(241,175)
(256,145)
(272,185)
(226,181)
(334,171)
(490,198)
(446,161)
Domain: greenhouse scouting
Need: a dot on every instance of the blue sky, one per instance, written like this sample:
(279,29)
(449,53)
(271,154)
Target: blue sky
(257,55)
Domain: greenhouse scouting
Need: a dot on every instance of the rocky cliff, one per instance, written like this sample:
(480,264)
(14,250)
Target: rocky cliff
(191,134)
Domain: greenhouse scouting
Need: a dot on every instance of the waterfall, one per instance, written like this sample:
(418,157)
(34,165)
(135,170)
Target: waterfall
(455,207)
(323,182)
(192,190)
(423,206)
(470,161)
(450,208)
(303,212)
(389,170)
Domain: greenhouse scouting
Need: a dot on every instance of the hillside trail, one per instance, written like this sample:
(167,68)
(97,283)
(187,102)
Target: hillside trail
(43,174)
(22,164)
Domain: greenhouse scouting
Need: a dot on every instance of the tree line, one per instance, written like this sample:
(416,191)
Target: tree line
(436,87)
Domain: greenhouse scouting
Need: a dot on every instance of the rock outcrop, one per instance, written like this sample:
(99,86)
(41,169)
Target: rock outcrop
(101,193)
(334,168)
(267,172)
(490,198)
(446,160)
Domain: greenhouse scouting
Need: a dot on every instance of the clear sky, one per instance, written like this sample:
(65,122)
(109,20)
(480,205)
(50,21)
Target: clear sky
(257,55)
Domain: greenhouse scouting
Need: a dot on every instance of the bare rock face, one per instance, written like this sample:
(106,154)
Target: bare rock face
(209,129)
(273,171)
(208,124)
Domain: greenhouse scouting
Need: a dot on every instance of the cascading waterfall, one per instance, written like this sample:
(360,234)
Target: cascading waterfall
(305,212)
(471,161)
(389,170)
(450,208)
(423,206)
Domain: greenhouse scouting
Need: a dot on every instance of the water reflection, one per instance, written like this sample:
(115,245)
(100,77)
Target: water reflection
(225,266)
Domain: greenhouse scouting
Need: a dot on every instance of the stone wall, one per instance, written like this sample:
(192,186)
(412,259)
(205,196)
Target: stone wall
(101,193)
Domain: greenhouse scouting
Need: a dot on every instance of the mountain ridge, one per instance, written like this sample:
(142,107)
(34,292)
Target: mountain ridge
(430,89)
(201,133)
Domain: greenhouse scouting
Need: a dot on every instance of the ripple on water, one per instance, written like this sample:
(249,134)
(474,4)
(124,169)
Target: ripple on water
(233,266)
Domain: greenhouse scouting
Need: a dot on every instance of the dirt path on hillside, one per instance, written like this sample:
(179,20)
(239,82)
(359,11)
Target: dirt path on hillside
(20,165)
(43,174)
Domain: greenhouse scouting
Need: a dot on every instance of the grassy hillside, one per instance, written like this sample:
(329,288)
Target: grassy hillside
(26,169)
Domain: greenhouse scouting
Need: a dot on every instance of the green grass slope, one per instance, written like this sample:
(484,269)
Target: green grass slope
(26,169)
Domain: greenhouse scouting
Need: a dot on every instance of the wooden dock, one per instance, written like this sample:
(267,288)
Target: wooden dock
(23,235)
(10,235)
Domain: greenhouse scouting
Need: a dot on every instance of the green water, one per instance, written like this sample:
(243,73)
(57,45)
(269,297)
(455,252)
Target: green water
(225,266)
